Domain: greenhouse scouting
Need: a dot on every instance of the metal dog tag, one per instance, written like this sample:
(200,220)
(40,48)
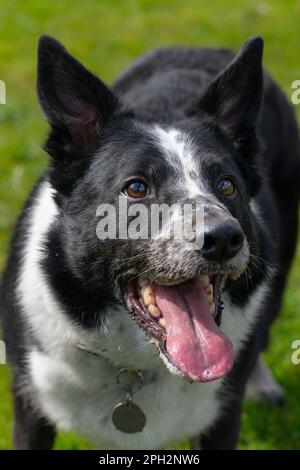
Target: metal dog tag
(128,417)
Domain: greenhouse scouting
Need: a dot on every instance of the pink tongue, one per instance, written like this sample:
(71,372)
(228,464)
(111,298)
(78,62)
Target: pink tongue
(195,344)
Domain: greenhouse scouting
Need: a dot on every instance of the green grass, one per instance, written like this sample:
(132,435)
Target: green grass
(106,36)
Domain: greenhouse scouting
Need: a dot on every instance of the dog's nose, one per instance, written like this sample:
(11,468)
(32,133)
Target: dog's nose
(222,239)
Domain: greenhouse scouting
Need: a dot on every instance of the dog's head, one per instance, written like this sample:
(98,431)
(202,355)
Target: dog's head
(112,172)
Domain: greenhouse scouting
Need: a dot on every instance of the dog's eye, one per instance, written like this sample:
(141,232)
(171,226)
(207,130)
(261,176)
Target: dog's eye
(226,187)
(136,189)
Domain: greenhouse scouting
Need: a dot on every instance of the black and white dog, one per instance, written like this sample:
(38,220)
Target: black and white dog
(140,343)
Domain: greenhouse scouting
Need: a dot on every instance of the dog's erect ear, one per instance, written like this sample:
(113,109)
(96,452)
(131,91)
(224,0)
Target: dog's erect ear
(76,103)
(234,97)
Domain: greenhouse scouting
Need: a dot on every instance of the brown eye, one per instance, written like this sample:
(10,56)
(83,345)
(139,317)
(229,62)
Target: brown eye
(226,187)
(136,189)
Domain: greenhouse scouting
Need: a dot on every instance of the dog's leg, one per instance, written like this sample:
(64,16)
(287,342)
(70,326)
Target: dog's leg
(195,443)
(261,384)
(31,430)
(224,434)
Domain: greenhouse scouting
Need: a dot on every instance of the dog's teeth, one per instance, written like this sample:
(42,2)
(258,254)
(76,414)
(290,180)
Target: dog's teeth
(154,311)
(208,289)
(212,307)
(235,276)
(209,293)
(143,281)
(162,322)
(205,280)
(148,295)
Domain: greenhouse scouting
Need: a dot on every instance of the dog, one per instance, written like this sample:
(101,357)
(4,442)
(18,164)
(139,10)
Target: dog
(139,343)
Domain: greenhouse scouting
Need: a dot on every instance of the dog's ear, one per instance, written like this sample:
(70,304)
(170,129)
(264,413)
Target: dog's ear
(76,103)
(234,97)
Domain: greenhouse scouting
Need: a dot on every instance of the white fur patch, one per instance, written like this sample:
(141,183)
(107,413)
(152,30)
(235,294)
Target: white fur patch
(79,391)
(179,152)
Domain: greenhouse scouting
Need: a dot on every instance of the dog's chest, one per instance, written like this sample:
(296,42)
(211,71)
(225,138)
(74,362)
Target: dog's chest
(77,390)
(81,394)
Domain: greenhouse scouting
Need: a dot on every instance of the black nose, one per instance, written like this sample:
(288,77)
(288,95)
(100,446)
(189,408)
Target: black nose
(222,239)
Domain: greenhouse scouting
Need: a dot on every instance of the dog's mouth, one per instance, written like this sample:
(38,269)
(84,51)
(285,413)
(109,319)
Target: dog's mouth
(183,321)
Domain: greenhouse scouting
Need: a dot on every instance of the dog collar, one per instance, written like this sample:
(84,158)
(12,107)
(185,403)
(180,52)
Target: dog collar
(126,416)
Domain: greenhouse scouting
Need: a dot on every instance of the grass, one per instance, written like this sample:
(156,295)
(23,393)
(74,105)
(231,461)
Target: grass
(106,36)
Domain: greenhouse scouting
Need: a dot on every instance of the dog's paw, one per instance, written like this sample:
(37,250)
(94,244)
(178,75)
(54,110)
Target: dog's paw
(261,384)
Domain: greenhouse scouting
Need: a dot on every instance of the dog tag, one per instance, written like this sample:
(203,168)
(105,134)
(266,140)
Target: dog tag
(128,417)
